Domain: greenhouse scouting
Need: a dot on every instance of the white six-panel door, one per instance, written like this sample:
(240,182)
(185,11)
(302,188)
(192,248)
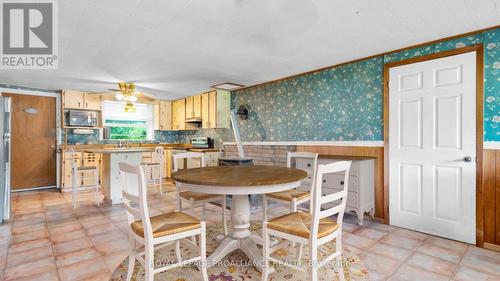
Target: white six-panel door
(432,147)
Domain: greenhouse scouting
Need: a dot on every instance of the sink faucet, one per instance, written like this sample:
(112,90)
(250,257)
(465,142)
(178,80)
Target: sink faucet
(120,144)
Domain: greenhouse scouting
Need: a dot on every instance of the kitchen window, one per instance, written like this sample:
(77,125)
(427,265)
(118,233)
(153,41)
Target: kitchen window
(126,130)
(121,125)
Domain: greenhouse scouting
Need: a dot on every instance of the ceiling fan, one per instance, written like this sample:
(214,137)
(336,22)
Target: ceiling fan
(127,93)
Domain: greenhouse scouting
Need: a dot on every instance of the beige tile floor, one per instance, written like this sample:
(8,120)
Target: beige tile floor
(48,240)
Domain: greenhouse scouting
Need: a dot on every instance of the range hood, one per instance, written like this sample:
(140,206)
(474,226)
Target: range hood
(193,120)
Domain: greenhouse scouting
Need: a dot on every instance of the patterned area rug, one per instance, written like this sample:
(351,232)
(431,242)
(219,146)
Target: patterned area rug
(234,268)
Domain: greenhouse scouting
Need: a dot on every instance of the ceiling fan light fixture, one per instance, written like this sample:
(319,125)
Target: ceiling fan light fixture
(119,96)
(132,98)
(129,107)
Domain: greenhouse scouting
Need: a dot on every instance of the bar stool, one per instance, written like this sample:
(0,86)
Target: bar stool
(79,176)
(156,165)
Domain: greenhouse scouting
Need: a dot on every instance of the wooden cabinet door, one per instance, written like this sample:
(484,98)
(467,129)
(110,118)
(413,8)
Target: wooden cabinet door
(67,176)
(165,115)
(175,115)
(205,110)
(182,114)
(196,106)
(212,102)
(92,101)
(189,113)
(223,109)
(72,99)
(179,114)
(90,160)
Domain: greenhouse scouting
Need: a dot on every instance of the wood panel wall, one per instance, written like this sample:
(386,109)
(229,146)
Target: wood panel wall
(490,196)
(491,199)
(376,152)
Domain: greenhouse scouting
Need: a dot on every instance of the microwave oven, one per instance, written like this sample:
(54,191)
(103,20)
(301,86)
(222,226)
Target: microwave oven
(81,118)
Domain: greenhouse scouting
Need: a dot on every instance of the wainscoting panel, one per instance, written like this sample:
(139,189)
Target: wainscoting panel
(491,202)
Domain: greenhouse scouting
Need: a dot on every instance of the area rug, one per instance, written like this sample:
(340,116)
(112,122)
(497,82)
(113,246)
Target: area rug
(234,267)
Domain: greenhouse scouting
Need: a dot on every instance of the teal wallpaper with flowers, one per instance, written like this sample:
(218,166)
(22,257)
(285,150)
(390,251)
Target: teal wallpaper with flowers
(340,103)
(345,103)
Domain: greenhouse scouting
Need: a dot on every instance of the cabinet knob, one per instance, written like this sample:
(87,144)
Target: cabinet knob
(341,182)
(308,164)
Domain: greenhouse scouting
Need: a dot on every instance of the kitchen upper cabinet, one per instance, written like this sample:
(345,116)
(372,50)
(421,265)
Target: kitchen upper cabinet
(92,101)
(72,99)
(212,109)
(80,100)
(205,111)
(209,110)
(165,115)
(223,109)
(193,107)
(179,114)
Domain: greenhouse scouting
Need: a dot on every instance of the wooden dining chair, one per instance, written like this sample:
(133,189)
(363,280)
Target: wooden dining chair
(82,179)
(293,198)
(195,199)
(147,234)
(313,229)
(155,168)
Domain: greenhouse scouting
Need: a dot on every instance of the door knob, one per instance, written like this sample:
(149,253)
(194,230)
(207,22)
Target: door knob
(467,159)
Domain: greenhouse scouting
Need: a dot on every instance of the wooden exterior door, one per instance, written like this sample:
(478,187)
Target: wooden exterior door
(33,150)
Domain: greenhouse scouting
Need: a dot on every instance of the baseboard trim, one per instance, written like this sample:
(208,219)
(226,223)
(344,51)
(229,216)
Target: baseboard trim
(493,247)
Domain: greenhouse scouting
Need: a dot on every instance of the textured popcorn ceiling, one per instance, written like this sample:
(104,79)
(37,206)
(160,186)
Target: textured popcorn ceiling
(175,48)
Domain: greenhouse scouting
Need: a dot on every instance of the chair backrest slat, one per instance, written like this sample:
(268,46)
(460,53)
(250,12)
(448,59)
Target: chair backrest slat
(188,155)
(319,199)
(136,204)
(305,155)
(333,197)
(135,212)
(158,155)
(131,197)
(330,211)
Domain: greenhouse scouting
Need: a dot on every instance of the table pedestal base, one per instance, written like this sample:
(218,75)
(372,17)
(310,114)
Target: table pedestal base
(241,237)
(247,245)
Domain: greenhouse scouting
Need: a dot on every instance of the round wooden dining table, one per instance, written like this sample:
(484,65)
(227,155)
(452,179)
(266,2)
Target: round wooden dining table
(239,181)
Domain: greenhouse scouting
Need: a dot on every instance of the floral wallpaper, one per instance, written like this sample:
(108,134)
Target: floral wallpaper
(345,103)
(340,103)
(492,85)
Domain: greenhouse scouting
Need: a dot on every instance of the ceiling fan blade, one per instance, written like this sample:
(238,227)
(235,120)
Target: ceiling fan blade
(149,97)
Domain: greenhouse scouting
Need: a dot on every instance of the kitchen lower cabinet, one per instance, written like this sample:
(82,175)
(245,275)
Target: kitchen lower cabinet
(212,159)
(83,159)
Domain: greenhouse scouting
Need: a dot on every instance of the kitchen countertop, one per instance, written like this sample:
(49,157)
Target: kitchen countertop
(119,150)
(82,147)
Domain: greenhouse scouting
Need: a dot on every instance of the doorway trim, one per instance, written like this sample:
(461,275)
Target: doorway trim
(479,128)
(57,96)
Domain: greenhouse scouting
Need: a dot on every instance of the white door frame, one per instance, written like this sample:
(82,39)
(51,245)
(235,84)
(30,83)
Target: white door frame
(479,128)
